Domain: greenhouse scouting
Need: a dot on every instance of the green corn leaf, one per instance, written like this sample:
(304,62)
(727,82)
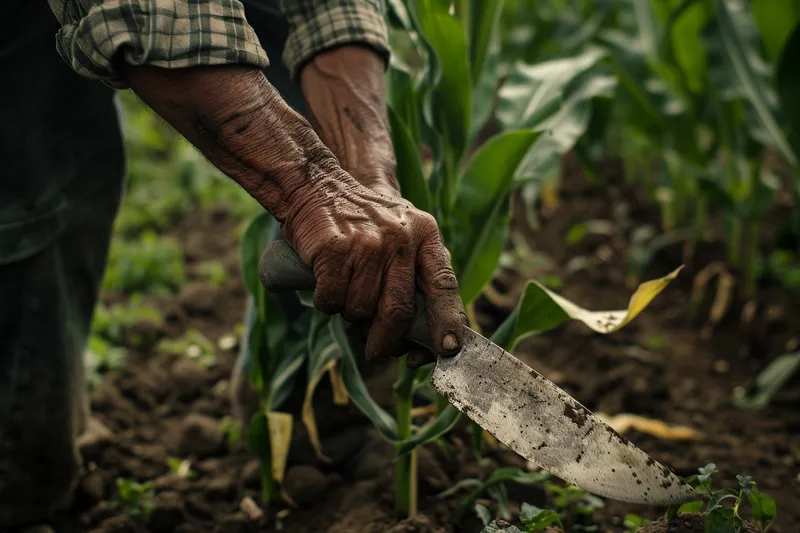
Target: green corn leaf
(769,382)
(534,92)
(764,508)
(483,19)
(444,422)
(555,98)
(732,40)
(688,50)
(481,215)
(451,100)
(540,309)
(355,386)
(290,360)
(776,20)
(409,167)
(402,98)
(255,239)
(787,79)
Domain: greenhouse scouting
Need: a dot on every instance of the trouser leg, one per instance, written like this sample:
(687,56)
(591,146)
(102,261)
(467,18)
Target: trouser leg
(61,175)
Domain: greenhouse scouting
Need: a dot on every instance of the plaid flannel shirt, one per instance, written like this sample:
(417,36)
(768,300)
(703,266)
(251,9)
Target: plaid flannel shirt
(186,33)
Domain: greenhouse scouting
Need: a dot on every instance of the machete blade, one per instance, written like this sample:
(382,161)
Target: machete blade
(535,418)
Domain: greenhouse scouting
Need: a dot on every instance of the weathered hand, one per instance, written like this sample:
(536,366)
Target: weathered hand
(369,253)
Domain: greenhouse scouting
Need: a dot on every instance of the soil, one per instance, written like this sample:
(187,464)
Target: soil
(667,365)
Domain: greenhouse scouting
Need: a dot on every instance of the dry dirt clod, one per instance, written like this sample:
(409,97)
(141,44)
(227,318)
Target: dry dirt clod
(95,437)
(198,298)
(305,484)
(118,524)
(201,436)
(167,513)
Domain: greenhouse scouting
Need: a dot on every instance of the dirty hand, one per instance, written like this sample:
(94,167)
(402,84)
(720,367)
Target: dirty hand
(345,92)
(369,251)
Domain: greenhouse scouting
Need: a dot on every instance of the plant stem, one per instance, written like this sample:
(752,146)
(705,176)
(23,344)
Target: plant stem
(405,473)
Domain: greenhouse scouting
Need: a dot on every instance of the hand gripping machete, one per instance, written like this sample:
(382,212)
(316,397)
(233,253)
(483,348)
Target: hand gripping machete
(521,408)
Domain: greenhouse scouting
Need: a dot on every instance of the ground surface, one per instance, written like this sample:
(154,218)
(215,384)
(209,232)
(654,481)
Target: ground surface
(662,366)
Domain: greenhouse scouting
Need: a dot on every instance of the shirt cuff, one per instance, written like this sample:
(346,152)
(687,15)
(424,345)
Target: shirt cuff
(164,33)
(330,27)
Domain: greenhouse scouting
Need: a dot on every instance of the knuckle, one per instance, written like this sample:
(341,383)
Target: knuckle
(443,280)
(399,310)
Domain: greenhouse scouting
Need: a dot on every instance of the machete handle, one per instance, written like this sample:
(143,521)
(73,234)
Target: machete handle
(282,270)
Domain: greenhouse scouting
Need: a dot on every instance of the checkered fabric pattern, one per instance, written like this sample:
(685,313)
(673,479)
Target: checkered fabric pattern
(185,33)
(320,24)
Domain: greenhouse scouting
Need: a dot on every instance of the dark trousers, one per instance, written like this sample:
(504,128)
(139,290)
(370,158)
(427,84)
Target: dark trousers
(62,174)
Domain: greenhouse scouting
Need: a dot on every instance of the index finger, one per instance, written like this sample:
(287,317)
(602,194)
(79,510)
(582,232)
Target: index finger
(438,282)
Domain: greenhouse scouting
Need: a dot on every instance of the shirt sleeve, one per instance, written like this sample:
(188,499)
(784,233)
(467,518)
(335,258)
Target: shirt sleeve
(317,25)
(162,33)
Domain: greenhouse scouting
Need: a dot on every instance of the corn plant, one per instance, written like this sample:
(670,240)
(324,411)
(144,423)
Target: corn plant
(441,97)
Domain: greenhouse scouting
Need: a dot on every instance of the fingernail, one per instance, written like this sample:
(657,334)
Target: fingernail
(450,343)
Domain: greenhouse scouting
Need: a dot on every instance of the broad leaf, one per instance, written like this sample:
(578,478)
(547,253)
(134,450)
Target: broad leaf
(483,513)
(536,519)
(501,475)
(722,520)
(764,508)
(440,425)
(540,309)
(409,166)
(481,209)
(776,20)
(356,388)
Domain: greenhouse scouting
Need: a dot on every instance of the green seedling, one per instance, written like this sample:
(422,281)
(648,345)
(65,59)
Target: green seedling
(531,517)
(181,467)
(112,323)
(133,498)
(722,518)
(634,522)
(150,264)
(232,429)
(214,272)
(194,345)
(100,357)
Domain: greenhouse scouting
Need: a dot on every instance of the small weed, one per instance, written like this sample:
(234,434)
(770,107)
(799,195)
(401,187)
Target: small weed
(133,498)
(634,522)
(214,272)
(111,323)
(151,265)
(727,519)
(232,430)
(181,467)
(192,344)
(101,357)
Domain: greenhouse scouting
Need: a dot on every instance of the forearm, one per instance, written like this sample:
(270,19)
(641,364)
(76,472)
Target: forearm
(345,92)
(244,127)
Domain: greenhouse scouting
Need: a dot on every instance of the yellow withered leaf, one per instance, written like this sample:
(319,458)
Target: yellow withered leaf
(280,437)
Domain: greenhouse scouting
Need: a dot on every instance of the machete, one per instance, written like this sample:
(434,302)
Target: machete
(521,408)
